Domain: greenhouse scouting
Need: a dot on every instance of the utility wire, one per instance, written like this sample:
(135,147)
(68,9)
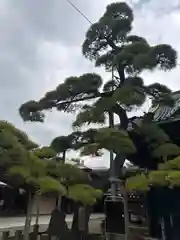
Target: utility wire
(111,116)
(79,11)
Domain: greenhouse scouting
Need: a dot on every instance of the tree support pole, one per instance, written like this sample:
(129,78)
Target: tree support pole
(112,163)
(126,212)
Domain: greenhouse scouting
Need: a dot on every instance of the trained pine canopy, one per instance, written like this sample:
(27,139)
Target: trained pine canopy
(109,43)
(37,170)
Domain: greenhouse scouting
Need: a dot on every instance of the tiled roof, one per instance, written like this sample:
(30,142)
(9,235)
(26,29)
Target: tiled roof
(164,112)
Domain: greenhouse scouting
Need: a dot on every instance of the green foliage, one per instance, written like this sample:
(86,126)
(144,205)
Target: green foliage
(133,52)
(174,178)
(165,56)
(109,43)
(67,174)
(137,183)
(37,171)
(157,89)
(89,114)
(14,145)
(115,140)
(33,176)
(142,182)
(84,193)
(21,161)
(11,151)
(113,27)
(104,105)
(168,175)
(74,180)
(110,139)
(138,56)
(129,96)
(154,140)
(28,172)
(72,88)
(91,149)
(152,133)
(166,150)
(171,164)
(44,153)
(20,135)
(61,144)
(169,178)
(48,184)
(158,178)
(134,82)
(110,85)
(32,111)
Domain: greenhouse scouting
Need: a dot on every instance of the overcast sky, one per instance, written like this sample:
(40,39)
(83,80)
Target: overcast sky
(40,45)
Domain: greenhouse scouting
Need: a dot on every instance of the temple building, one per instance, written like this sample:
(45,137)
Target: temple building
(169,118)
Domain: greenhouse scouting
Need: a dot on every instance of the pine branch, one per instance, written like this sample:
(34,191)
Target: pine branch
(98,95)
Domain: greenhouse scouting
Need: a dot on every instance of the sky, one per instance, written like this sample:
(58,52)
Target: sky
(40,46)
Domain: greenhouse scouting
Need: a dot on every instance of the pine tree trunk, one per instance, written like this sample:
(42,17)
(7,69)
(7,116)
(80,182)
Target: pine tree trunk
(59,198)
(81,221)
(28,217)
(87,217)
(36,226)
(37,209)
(74,226)
(64,156)
(58,202)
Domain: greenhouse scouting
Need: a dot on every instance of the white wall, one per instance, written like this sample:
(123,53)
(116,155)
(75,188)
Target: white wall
(47,204)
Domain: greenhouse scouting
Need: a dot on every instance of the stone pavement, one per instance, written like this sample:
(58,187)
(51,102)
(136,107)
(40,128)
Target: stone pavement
(17,223)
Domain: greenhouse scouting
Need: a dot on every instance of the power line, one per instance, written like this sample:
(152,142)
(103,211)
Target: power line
(79,11)
(111,116)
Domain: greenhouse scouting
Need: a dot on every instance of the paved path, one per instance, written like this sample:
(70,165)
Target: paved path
(17,223)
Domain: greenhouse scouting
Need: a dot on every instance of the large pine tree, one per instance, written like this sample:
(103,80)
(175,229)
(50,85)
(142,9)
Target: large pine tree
(109,44)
